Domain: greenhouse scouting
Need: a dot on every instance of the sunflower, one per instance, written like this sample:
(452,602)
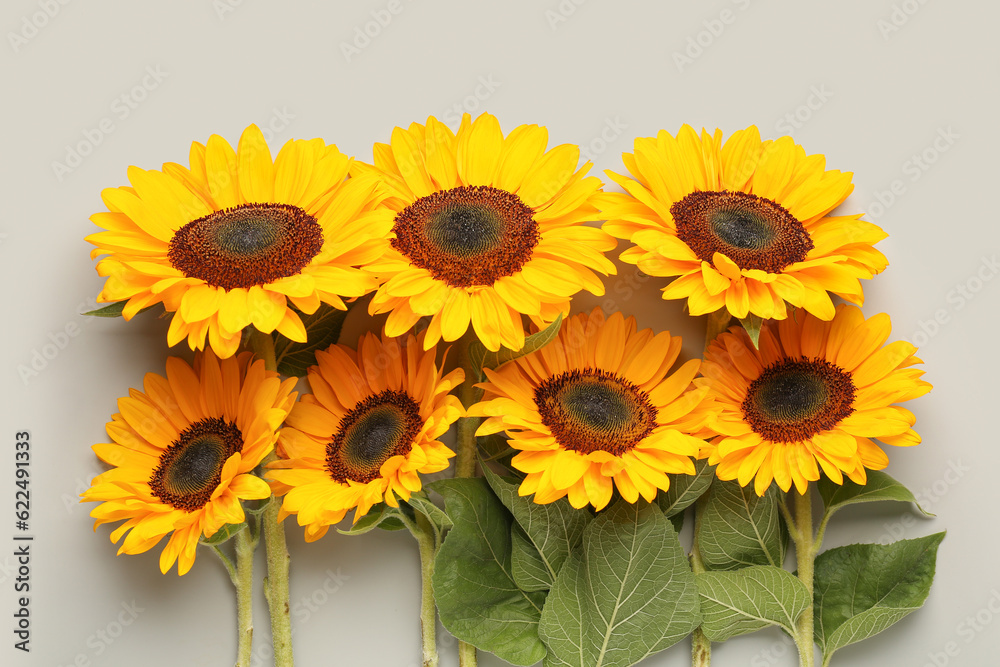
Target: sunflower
(596,407)
(812,397)
(366,433)
(743,225)
(238,239)
(485,228)
(183,453)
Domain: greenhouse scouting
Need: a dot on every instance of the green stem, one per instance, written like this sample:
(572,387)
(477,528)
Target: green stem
(262,345)
(241,574)
(805,555)
(793,530)
(276,581)
(245,547)
(467,655)
(701,647)
(424,533)
(465,459)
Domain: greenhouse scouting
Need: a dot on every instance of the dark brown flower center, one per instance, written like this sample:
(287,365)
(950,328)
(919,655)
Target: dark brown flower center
(247,245)
(465,236)
(754,232)
(378,428)
(794,399)
(190,468)
(590,410)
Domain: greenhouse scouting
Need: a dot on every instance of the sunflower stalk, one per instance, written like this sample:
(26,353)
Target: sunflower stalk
(701,647)
(428,543)
(805,555)
(241,574)
(465,459)
(246,545)
(276,581)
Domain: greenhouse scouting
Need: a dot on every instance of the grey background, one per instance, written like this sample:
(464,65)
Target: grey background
(872,84)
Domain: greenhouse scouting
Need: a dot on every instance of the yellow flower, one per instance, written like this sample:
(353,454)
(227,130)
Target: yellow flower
(184,451)
(485,228)
(743,225)
(812,397)
(366,433)
(595,409)
(237,239)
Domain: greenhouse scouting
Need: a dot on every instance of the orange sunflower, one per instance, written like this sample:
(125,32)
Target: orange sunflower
(238,239)
(366,433)
(744,225)
(813,396)
(485,229)
(595,410)
(184,451)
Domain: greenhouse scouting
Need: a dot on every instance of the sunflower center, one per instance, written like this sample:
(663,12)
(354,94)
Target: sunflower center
(794,399)
(190,468)
(594,410)
(465,236)
(754,232)
(247,245)
(378,428)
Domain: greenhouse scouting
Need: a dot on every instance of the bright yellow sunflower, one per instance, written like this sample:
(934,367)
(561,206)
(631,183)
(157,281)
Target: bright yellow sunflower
(485,228)
(743,225)
(366,433)
(594,409)
(811,398)
(184,451)
(238,238)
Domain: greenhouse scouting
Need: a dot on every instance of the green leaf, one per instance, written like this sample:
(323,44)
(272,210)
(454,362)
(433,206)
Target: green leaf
(862,589)
(478,599)
(880,486)
(440,520)
(495,447)
(379,516)
(531,573)
(739,528)
(223,534)
(322,330)
(482,358)
(752,324)
(625,595)
(555,529)
(743,601)
(685,489)
(114,309)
